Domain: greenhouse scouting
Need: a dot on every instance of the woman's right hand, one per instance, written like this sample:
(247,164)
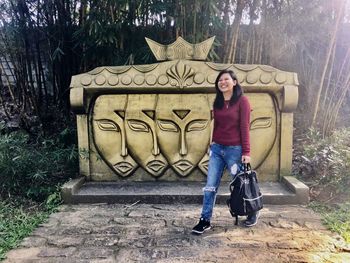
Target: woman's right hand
(245,159)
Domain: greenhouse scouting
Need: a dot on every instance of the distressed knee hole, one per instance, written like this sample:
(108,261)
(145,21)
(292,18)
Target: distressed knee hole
(234,169)
(209,189)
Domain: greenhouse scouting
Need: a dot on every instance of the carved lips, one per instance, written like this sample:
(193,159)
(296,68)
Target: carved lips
(124,168)
(156,165)
(184,166)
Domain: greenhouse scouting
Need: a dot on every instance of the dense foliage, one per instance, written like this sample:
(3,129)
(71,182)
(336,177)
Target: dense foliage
(44,43)
(35,169)
(324,161)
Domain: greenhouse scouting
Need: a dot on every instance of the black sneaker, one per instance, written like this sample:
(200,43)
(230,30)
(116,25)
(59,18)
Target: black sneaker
(201,226)
(252,219)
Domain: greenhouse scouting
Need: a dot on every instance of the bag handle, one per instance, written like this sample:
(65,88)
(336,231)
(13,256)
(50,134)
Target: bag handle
(247,167)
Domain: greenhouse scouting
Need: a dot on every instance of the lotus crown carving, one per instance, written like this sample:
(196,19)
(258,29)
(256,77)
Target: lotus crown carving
(181,72)
(180,49)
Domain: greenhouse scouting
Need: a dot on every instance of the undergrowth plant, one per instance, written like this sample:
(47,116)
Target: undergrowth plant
(336,218)
(19,217)
(34,168)
(326,161)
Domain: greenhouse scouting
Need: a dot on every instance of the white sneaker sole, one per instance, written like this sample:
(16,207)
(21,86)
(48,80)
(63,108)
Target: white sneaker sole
(201,232)
(251,224)
(257,217)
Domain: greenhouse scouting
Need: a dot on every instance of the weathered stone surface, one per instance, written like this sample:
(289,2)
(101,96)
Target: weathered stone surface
(23,253)
(101,240)
(162,233)
(57,252)
(65,241)
(33,241)
(93,253)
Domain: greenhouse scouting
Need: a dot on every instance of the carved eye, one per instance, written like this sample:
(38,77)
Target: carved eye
(138,126)
(107,125)
(197,125)
(168,126)
(261,123)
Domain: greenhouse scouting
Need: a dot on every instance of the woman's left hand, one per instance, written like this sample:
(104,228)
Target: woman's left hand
(245,159)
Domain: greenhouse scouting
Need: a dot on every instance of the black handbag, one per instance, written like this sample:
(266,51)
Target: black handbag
(246,196)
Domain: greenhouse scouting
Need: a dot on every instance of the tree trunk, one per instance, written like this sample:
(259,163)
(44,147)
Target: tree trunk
(337,98)
(234,32)
(340,14)
(249,58)
(226,23)
(330,73)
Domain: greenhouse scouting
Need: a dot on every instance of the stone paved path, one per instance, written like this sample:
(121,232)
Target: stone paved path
(162,233)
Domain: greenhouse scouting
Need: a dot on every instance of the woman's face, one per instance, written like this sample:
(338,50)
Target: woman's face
(226,83)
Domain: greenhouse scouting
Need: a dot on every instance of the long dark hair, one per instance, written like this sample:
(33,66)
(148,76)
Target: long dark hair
(237,91)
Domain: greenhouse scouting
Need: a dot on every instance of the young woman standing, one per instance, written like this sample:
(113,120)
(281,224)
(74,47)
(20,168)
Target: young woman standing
(230,146)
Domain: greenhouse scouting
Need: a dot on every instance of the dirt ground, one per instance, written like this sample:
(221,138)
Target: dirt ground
(162,233)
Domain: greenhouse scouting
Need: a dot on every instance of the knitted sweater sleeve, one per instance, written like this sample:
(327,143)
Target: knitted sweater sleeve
(245,125)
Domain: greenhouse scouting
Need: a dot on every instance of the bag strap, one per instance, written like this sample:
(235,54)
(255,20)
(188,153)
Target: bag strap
(247,167)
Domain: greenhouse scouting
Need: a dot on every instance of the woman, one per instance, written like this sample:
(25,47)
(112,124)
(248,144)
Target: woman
(230,145)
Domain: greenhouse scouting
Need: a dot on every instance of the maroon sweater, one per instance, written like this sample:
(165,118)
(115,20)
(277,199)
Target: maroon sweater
(231,125)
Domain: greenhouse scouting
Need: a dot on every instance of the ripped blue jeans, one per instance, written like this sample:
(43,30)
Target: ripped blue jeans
(221,157)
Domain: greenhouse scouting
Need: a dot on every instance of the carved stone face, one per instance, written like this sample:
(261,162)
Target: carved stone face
(109,133)
(263,123)
(141,135)
(182,127)
(203,164)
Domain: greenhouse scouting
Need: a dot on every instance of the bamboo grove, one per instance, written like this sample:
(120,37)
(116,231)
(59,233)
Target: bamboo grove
(44,42)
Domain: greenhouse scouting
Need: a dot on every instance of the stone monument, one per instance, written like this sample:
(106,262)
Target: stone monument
(152,123)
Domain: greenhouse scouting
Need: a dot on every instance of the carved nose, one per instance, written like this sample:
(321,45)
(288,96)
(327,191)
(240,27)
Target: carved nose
(183,147)
(155,150)
(124,150)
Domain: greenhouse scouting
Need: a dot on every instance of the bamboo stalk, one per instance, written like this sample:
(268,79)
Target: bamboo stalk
(2,100)
(230,53)
(326,124)
(340,15)
(8,85)
(341,98)
(330,71)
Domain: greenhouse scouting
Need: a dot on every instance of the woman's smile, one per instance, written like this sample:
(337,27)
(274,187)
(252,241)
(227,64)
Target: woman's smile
(226,83)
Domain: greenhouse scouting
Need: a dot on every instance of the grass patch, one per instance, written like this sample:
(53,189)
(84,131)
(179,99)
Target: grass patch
(19,217)
(335,217)
(32,171)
